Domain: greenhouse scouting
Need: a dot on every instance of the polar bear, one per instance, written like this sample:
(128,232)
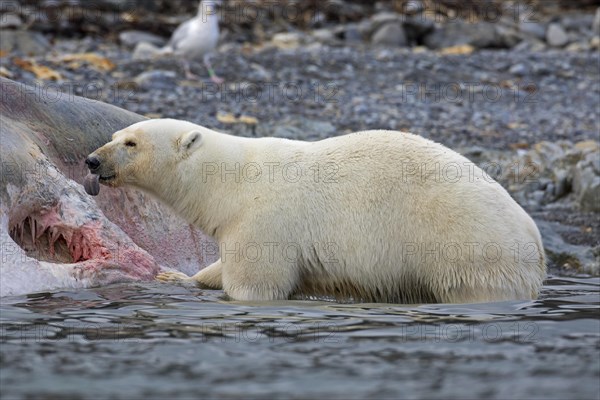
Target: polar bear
(373,216)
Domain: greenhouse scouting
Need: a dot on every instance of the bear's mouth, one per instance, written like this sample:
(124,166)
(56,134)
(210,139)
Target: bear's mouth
(107,178)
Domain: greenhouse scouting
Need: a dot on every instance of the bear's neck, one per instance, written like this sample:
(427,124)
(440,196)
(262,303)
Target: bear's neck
(207,187)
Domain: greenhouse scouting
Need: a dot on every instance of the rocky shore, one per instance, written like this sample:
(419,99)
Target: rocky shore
(513,86)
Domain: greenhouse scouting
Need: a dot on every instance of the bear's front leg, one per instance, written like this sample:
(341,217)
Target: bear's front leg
(209,277)
(246,281)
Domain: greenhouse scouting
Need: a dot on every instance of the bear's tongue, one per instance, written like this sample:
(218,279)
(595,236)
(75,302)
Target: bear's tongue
(91,183)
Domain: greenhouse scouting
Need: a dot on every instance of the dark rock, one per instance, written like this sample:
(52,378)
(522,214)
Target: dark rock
(417,27)
(480,35)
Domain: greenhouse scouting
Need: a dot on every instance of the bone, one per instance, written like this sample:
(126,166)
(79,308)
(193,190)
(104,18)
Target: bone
(91,183)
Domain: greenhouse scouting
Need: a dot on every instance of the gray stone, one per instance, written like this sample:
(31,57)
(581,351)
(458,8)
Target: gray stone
(157,79)
(352,33)
(144,51)
(596,23)
(556,35)
(384,17)
(586,182)
(369,26)
(27,42)
(533,29)
(481,35)
(390,34)
(507,35)
(132,38)
(324,35)
(519,70)
(10,21)
(578,22)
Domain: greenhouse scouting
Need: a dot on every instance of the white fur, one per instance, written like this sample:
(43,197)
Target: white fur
(353,220)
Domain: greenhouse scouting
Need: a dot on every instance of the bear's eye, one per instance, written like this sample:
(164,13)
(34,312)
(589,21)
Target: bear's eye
(130,143)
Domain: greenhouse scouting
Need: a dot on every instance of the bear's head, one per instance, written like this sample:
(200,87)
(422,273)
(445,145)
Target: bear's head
(145,151)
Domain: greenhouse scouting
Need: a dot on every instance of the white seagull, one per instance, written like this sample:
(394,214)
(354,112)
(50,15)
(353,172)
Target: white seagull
(197,38)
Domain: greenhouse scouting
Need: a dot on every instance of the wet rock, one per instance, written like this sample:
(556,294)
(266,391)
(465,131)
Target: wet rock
(580,259)
(26,42)
(549,173)
(556,35)
(390,34)
(132,38)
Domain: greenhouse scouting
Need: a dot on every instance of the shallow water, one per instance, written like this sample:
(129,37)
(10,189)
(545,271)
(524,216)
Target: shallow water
(159,341)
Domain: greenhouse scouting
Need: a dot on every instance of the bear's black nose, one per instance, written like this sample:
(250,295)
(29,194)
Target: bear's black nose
(92,162)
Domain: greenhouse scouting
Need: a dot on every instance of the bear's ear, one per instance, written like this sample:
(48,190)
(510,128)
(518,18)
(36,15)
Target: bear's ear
(190,141)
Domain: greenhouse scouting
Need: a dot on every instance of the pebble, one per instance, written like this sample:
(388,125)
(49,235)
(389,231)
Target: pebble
(556,36)
(519,70)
